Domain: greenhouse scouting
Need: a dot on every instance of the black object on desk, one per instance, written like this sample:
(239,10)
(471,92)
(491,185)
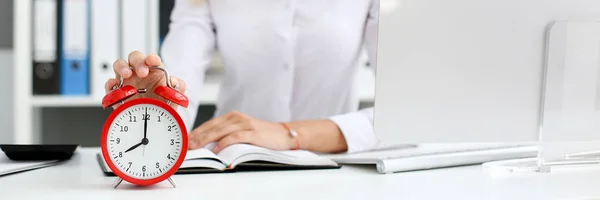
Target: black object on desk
(39,152)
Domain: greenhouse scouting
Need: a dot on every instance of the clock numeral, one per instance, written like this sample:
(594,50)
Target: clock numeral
(124,128)
(120,154)
(169,157)
(158,118)
(144,168)
(118,140)
(129,165)
(169,127)
(132,119)
(157,165)
(146,117)
(172,142)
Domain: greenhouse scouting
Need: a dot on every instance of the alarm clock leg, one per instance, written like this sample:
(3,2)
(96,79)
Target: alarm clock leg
(117,182)
(172,182)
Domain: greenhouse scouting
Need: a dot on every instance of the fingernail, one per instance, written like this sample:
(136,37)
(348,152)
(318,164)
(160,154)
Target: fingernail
(125,72)
(141,71)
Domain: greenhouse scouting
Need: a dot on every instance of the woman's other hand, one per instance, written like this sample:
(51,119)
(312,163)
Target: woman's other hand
(236,127)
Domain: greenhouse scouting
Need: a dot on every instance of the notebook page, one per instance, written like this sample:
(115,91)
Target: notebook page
(233,153)
(200,153)
(300,154)
(204,163)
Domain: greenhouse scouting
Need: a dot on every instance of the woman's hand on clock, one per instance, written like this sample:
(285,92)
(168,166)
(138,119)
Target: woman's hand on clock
(236,127)
(141,76)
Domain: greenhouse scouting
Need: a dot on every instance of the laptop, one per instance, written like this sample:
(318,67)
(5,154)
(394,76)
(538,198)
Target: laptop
(465,71)
(463,75)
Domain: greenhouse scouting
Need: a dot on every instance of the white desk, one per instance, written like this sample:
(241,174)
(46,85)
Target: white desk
(81,178)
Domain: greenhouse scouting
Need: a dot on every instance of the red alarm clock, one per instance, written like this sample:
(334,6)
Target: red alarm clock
(144,140)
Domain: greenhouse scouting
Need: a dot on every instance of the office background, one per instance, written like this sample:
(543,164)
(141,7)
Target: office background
(60,123)
(6,64)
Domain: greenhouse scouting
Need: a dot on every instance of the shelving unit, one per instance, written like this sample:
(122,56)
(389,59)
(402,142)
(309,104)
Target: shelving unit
(28,108)
(208,94)
(23,111)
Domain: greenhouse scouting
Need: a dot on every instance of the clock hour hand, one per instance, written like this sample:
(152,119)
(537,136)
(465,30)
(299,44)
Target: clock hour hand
(133,147)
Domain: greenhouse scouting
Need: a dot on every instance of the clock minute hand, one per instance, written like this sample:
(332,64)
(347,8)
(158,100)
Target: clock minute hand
(145,140)
(133,147)
(145,123)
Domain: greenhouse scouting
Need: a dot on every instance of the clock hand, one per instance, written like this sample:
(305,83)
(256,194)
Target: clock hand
(134,146)
(145,140)
(145,123)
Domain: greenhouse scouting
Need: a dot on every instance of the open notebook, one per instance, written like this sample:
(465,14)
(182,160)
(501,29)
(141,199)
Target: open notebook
(244,157)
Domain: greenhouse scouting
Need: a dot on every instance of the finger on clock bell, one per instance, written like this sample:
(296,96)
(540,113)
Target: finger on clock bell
(121,68)
(219,133)
(235,138)
(180,83)
(137,60)
(108,88)
(109,84)
(153,60)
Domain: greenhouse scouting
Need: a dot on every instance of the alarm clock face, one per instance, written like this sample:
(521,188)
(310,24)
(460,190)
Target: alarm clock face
(145,141)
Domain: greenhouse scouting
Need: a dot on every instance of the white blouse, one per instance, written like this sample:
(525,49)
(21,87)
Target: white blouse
(284,59)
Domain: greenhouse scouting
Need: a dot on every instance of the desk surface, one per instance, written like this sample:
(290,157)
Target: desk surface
(81,178)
